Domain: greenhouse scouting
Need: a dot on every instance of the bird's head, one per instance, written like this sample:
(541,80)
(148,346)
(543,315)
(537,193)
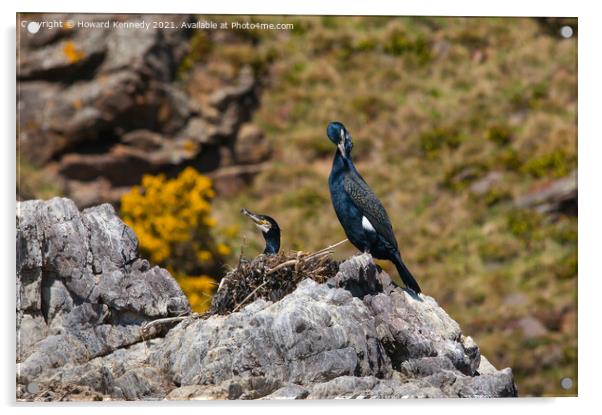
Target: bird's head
(338,134)
(269,228)
(263,222)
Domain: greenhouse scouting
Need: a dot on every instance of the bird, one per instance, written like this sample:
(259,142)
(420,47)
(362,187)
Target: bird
(269,229)
(362,216)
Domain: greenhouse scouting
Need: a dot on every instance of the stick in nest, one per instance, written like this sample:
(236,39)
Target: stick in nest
(322,252)
(301,259)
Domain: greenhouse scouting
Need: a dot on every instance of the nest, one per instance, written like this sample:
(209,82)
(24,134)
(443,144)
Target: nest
(271,277)
(268,276)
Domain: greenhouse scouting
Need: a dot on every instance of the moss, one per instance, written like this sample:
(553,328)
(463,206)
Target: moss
(366,44)
(500,134)
(555,164)
(566,268)
(398,43)
(498,249)
(524,224)
(508,158)
(35,183)
(496,195)
(565,233)
(431,141)
(461,176)
(199,47)
(368,105)
(472,40)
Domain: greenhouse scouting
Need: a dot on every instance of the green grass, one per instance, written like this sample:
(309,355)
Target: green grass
(433,104)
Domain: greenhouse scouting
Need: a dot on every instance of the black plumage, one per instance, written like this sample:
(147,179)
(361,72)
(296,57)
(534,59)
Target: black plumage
(269,229)
(362,215)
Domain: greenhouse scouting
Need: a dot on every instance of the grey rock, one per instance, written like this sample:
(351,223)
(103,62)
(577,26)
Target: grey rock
(82,290)
(559,196)
(72,57)
(410,326)
(83,295)
(307,337)
(201,131)
(369,387)
(251,146)
(483,185)
(291,391)
(98,109)
(531,327)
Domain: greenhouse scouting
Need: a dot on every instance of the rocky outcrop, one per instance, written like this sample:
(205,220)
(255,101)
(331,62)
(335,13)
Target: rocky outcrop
(84,296)
(99,108)
(82,290)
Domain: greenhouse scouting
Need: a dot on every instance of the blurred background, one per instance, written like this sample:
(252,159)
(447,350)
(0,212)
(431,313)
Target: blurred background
(464,127)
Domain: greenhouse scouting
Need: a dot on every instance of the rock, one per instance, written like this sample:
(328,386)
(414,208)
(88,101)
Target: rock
(291,391)
(531,327)
(124,89)
(483,185)
(73,57)
(143,139)
(105,107)
(411,327)
(555,197)
(86,194)
(84,294)
(228,181)
(200,130)
(251,147)
(82,290)
(223,97)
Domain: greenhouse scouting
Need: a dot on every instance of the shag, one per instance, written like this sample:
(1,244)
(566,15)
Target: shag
(269,228)
(361,214)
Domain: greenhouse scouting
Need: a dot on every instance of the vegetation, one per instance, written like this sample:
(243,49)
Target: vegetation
(433,104)
(173,222)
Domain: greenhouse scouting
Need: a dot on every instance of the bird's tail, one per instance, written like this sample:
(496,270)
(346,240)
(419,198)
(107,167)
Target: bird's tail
(405,275)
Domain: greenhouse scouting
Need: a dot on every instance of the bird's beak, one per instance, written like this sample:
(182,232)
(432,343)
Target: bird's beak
(262,224)
(341,147)
(251,216)
(341,144)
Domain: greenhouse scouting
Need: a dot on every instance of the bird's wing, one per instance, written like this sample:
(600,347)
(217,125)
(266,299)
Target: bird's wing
(366,201)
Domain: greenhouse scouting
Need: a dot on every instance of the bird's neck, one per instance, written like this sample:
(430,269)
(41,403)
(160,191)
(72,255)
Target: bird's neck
(340,163)
(272,242)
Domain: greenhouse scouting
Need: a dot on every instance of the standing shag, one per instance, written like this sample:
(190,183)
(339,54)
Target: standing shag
(270,230)
(361,214)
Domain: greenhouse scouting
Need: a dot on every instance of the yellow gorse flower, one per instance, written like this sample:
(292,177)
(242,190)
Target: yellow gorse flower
(173,222)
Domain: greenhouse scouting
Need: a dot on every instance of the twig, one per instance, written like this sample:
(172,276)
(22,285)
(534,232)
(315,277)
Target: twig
(328,248)
(167,320)
(299,254)
(249,296)
(279,266)
(242,249)
(297,262)
(321,252)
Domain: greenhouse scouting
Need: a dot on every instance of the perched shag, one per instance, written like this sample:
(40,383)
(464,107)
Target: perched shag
(270,230)
(361,214)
